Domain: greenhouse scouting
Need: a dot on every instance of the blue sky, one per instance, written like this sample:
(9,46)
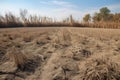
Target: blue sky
(59,8)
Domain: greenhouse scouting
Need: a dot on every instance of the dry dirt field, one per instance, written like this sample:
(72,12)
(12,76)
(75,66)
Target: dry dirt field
(59,54)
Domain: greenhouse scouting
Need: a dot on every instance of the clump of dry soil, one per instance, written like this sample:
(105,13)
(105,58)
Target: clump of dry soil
(59,54)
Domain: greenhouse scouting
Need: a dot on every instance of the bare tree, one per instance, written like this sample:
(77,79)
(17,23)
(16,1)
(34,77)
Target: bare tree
(23,15)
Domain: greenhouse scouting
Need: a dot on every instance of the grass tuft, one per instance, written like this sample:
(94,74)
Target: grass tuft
(101,69)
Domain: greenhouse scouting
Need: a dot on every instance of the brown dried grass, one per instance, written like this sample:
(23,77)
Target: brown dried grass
(18,57)
(102,68)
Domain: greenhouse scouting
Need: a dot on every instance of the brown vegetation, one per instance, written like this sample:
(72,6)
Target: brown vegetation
(59,54)
(18,57)
(104,19)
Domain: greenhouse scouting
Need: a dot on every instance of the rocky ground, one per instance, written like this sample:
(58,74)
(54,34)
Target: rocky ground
(60,54)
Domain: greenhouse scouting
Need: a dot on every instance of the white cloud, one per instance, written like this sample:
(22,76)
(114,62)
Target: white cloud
(58,14)
(114,6)
(63,4)
(58,3)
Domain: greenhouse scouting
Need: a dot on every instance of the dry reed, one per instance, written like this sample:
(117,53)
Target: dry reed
(101,69)
(17,56)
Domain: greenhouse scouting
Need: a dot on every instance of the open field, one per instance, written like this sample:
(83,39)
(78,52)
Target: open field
(59,54)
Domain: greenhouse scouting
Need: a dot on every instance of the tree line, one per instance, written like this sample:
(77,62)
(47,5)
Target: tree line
(26,20)
(103,15)
(101,19)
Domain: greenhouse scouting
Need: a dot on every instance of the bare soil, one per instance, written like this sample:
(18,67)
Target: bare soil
(61,53)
